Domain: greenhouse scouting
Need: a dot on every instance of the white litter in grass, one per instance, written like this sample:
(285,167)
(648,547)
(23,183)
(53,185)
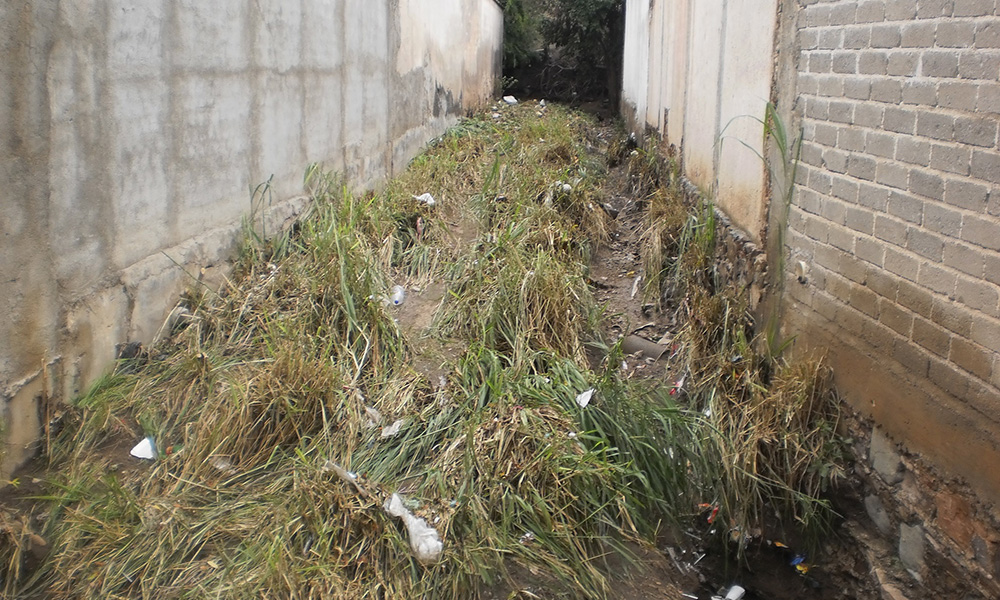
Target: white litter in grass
(584,398)
(374,416)
(145,449)
(425,199)
(510,99)
(392,430)
(424,539)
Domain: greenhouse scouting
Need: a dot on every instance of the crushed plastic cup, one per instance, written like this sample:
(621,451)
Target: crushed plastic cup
(145,449)
(398,295)
(426,199)
(510,99)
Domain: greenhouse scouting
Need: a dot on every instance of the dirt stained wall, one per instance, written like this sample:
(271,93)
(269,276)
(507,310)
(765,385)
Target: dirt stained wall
(699,73)
(132,132)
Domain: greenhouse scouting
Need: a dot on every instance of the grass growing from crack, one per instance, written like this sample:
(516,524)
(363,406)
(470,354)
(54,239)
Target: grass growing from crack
(298,364)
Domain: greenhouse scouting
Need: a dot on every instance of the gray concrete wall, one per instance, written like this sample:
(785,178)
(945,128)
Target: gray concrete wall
(132,132)
(699,73)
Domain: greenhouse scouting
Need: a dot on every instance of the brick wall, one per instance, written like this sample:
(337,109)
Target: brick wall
(896,219)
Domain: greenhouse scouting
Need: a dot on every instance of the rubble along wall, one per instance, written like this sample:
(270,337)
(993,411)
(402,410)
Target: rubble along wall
(131,134)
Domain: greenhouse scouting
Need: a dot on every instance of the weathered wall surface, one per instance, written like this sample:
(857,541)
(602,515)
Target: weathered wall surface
(897,216)
(896,222)
(132,132)
(699,72)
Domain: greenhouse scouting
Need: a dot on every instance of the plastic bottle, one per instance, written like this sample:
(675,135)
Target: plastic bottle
(398,295)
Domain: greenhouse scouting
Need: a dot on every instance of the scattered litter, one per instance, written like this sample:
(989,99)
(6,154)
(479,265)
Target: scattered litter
(145,449)
(347,476)
(692,596)
(374,416)
(398,295)
(679,387)
(424,539)
(567,188)
(527,537)
(510,99)
(541,103)
(635,285)
(222,465)
(496,115)
(735,593)
(426,199)
(584,398)
(392,430)
(634,344)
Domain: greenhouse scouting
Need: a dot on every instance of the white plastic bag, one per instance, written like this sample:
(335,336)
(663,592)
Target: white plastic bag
(424,539)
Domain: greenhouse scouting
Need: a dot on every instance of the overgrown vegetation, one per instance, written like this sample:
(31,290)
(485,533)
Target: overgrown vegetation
(267,393)
(567,48)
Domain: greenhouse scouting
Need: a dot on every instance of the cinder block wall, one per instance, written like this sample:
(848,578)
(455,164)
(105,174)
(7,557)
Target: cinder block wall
(896,219)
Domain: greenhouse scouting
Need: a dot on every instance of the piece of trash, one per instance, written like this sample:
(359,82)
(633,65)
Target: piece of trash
(679,387)
(222,465)
(398,295)
(146,449)
(345,475)
(567,188)
(496,115)
(541,103)
(802,568)
(510,99)
(374,416)
(584,398)
(634,344)
(735,593)
(692,596)
(527,537)
(635,285)
(425,199)
(392,430)
(424,539)
(797,560)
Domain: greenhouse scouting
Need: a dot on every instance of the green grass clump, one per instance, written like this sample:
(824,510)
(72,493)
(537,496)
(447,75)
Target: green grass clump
(295,368)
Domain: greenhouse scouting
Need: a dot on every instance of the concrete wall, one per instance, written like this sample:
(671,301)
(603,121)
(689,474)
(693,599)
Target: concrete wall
(897,216)
(699,72)
(132,132)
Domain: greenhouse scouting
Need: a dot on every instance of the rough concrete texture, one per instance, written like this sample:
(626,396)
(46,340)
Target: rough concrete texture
(131,132)
(700,74)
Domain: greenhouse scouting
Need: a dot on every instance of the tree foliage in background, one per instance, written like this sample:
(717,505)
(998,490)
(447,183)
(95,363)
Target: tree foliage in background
(585,29)
(583,38)
(522,36)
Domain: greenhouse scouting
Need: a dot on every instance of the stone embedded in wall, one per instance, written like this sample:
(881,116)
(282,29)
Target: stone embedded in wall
(911,549)
(885,459)
(878,514)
